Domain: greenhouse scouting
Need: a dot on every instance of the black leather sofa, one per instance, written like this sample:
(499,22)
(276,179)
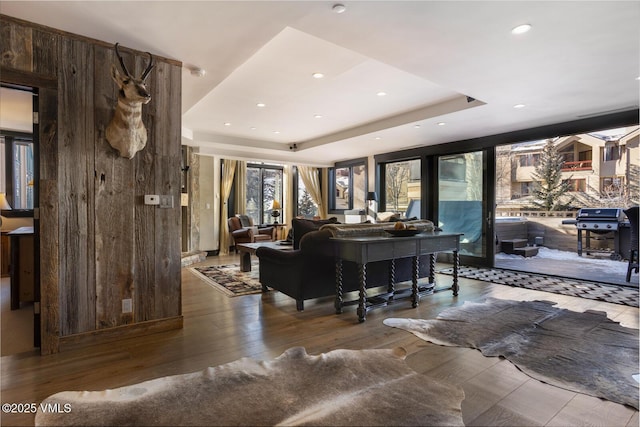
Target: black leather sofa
(309,271)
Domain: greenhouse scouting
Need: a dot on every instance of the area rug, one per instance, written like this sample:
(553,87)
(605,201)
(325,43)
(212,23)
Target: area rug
(230,280)
(341,387)
(557,285)
(582,352)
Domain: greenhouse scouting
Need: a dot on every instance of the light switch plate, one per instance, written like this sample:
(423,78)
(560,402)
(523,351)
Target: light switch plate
(166,201)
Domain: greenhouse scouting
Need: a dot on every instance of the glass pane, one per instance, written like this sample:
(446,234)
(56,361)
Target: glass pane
(272,191)
(402,192)
(566,173)
(254,194)
(460,203)
(306,206)
(23,176)
(359,187)
(538,202)
(342,188)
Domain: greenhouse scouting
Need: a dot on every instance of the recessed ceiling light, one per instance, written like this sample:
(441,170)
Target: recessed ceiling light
(317,75)
(381,93)
(252,128)
(521,29)
(276,131)
(441,123)
(261,105)
(317,116)
(339,8)
(378,138)
(519,106)
(638,78)
(416,126)
(227,124)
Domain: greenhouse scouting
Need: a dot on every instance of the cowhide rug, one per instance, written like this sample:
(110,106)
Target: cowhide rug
(582,352)
(342,387)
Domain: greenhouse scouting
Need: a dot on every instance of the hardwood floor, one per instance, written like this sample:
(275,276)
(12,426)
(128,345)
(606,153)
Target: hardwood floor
(218,329)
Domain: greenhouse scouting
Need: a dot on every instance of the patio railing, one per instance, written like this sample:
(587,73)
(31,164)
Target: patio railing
(515,213)
(584,165)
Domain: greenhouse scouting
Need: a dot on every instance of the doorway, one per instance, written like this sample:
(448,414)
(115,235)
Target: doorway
(593,169)
(462,189)
(20,289)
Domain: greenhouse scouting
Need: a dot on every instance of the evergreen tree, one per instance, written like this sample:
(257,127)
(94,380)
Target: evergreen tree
(306,205)
(549,187)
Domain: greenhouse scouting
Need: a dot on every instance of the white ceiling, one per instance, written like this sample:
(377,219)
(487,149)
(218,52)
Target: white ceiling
(580,59)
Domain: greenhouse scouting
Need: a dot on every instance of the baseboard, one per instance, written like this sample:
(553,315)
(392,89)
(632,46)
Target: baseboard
(102,336)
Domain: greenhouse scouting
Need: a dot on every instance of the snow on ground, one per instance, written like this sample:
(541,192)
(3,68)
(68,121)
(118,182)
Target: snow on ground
(585,262)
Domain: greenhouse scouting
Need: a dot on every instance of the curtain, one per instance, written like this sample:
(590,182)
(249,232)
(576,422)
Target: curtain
(240,199)
(289,203)
(311,179)
(228,170)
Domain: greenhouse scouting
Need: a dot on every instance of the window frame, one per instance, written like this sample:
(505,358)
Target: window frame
(11,140)
(296,190)
(350,164)
(262,167)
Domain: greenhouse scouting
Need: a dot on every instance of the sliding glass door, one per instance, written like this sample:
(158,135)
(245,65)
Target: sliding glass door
(462,203)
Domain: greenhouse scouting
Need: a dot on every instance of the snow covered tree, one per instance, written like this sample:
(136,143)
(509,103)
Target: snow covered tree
(549,187)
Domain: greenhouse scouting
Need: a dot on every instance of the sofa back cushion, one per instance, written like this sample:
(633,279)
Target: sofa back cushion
(301,227)
(378,229)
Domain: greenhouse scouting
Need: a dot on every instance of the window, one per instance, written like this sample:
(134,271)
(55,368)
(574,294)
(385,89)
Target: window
(348,184)
(525,188)
(611,152)
(529,159)
(453,168)
(402,186)
(577,185)
(264,185)
(18,170)
(306,206)
(567,156)
(611,184)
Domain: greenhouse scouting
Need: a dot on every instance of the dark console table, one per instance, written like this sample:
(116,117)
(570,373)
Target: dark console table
(363,250)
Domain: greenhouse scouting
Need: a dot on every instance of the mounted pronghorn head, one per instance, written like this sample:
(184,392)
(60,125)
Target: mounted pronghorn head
(126,132)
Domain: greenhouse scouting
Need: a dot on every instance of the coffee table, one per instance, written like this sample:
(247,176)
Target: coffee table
(248,249)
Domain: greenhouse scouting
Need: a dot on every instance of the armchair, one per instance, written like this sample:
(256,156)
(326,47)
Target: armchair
(242,230)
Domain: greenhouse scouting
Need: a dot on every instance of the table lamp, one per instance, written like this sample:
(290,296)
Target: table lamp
(4,204)
(275,211)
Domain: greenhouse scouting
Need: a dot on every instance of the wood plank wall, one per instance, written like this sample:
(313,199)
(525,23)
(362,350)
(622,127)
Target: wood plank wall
(99,243)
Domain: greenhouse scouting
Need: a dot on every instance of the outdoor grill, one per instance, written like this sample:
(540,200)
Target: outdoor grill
(599,221)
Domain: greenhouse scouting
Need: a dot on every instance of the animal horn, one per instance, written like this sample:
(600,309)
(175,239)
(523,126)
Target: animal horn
(149,67)
(124,67)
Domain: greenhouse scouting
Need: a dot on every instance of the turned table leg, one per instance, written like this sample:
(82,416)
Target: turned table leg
(391,288)
(338,301)
(432,268)
(456,265)
(415,272)
(362,301)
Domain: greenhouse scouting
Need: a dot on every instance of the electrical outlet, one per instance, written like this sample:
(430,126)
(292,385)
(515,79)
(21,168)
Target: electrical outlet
(127,305)
(151,199)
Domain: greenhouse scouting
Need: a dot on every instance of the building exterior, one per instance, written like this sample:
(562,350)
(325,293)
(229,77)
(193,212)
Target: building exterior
(602,168)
